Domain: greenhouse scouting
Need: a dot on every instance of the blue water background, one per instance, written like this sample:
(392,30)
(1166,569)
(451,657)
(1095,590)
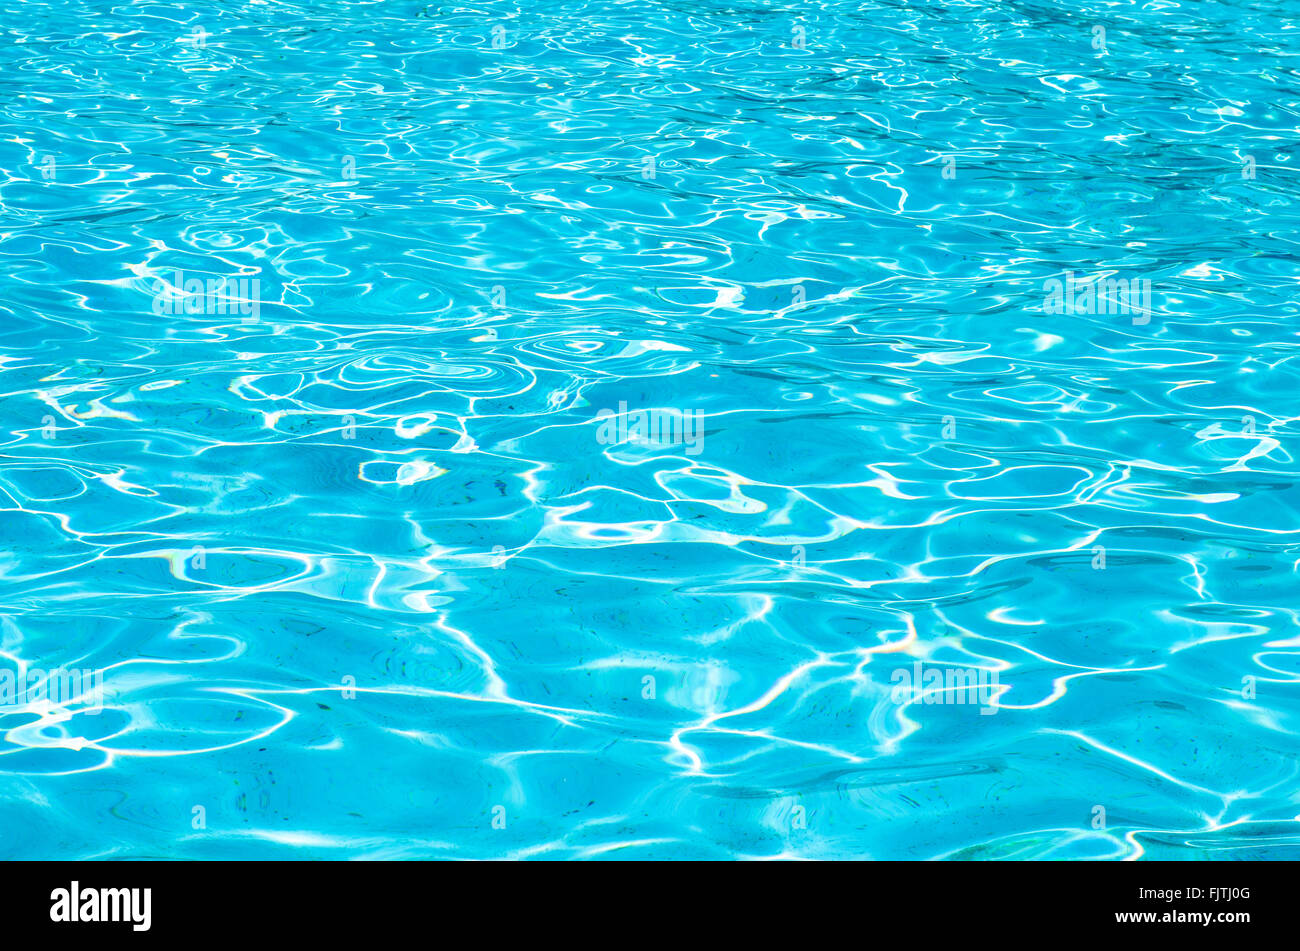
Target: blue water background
(364,581)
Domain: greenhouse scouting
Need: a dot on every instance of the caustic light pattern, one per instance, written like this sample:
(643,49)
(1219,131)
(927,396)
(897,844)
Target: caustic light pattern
(673,430)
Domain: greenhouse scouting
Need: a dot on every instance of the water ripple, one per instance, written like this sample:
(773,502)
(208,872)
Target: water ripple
(692,431)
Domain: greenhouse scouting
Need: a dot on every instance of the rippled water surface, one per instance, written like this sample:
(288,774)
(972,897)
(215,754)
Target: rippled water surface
(328,330)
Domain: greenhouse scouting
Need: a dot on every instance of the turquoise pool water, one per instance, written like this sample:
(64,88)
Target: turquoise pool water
(665,430)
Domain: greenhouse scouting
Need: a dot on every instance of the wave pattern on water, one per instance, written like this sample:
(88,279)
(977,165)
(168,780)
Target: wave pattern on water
(557,431)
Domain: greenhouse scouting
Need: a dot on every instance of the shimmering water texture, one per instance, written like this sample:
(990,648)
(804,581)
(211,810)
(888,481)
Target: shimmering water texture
(565,430)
